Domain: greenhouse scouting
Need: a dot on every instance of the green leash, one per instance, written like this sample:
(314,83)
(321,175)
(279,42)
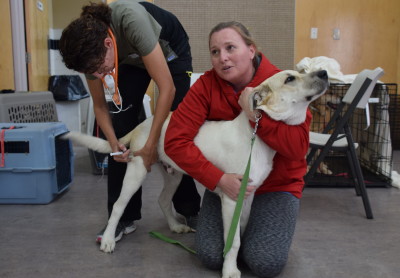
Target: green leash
(172,241)
(238,207)
(239,202)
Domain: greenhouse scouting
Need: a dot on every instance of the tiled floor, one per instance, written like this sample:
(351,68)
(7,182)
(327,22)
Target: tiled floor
(333,238)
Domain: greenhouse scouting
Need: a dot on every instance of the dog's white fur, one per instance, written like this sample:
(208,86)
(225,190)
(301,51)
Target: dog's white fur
(284,97)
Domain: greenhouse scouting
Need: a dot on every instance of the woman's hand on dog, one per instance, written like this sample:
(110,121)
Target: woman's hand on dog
(149,156)
(230,185)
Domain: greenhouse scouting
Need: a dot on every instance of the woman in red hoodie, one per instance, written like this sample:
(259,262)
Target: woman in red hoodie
(221,94)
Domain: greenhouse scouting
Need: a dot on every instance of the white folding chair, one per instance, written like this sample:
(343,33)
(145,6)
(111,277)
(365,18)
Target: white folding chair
(339,138)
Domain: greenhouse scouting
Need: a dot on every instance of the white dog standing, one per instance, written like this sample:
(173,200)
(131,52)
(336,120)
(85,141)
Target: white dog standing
(284,97)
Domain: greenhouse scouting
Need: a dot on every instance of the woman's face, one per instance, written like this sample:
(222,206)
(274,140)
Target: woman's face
(108,64)
(231,57)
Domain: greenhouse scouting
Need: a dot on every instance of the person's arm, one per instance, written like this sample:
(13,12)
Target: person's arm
(290,141)
(103,119)
(158,69)
(179,143)
(183,127)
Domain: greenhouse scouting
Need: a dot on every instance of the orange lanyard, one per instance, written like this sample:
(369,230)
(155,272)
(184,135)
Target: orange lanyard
(114,73)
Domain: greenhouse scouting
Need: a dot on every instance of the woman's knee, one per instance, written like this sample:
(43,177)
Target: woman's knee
(209,249)
(209,234)
(267,268)
(210,260)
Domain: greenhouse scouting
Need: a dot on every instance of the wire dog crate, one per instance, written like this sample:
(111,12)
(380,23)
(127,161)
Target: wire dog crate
(394,117)
(373,135)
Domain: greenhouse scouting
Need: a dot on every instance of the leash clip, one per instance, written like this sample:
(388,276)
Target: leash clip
(257,117)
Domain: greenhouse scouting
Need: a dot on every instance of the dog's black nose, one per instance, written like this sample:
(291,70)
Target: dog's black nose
(322,74)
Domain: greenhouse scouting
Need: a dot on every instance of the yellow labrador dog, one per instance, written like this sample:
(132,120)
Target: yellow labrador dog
(284,97)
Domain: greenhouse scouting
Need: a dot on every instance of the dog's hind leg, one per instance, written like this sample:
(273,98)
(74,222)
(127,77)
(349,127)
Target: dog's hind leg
(171,183)
(230,269)
(135,174)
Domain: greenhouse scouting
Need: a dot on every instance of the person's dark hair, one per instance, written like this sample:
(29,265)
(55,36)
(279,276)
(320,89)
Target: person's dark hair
(241,30)
(82,41)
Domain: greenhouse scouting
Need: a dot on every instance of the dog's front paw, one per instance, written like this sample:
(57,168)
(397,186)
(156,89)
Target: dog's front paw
(323,168)
(230,269)
(231,273)
(181,228)
(107,246)
(107,243)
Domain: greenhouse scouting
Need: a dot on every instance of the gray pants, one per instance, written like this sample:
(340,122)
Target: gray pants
(265,243)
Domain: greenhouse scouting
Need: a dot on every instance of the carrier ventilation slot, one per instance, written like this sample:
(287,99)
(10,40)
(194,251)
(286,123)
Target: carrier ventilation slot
(63,163)
(32,113)
(16,146)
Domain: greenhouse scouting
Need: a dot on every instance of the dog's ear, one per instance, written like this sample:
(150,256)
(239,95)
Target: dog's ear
(256,97)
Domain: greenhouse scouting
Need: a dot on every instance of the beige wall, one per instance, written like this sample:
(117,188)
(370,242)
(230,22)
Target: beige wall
(66,11)
(370,34)
(6,58)
(36,33)
(370,31)
(270,22)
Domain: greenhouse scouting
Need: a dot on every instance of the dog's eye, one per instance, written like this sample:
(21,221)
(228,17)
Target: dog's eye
(290,79)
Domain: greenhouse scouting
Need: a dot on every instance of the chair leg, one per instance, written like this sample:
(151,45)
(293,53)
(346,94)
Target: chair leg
(311,154)
(350,160)
(360,180)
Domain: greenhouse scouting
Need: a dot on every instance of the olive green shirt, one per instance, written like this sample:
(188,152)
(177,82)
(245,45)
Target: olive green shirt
(136,33)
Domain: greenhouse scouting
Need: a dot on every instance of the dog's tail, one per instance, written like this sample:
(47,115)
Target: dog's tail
(126,140)
(94,143)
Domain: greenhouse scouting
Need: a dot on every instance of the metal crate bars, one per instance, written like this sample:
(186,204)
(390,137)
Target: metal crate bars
(372,134)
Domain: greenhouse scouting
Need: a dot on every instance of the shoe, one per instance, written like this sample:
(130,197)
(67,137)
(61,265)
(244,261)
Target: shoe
(191,221)
(122,228)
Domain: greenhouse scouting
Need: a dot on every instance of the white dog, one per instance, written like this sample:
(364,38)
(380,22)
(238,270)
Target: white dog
(284,97)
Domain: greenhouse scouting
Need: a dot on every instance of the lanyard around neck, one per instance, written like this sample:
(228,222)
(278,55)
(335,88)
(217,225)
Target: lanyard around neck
(114,73)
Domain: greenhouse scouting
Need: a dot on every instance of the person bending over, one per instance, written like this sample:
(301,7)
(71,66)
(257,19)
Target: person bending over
(131,42)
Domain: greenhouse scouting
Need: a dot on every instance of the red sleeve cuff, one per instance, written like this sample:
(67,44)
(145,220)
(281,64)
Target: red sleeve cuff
(211,177)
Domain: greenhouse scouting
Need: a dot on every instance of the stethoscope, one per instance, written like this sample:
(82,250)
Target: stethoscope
(110,80)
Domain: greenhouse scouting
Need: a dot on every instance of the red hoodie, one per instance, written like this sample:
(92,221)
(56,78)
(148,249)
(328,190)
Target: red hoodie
(213,99)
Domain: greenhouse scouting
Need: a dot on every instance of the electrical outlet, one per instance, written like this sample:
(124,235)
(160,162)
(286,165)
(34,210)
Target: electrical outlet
(314,33)
(336,34)
(39,5)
